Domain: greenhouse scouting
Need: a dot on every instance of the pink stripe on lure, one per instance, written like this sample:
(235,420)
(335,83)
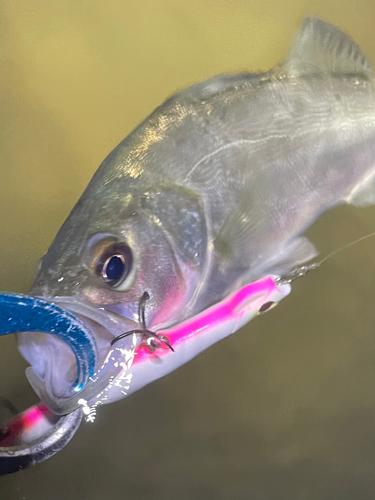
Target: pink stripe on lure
(233,307)
(18,427)
(188,339)
(193,336)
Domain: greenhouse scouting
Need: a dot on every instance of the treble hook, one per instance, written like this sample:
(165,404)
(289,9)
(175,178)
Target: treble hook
(143,330)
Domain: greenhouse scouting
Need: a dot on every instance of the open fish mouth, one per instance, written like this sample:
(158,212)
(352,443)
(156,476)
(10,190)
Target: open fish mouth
(88,335)
(41,431)
(22,313)
(102,326)
(105,324)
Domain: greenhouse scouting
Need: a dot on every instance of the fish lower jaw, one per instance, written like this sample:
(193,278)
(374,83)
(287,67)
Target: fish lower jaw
(54,367)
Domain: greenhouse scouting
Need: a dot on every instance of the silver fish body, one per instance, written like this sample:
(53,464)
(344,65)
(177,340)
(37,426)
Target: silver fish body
(213,191)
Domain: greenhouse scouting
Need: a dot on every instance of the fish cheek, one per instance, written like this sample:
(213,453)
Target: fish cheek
(100,296)
(156,271)
(159,273)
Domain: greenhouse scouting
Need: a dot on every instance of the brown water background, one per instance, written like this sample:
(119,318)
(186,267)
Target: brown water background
(284,409)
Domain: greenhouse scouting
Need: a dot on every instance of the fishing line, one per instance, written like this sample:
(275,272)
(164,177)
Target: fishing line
(300,272)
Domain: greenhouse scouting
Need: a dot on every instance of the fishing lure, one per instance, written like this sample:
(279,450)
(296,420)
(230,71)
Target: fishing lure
(149,358)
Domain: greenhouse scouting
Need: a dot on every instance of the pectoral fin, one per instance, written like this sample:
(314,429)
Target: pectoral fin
(294,253)
(244,241)
(364,192)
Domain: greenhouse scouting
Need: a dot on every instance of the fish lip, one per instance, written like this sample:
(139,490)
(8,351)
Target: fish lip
(113,323)
(104,326)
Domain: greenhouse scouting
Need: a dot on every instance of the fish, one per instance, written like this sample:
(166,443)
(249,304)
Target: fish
(212,192)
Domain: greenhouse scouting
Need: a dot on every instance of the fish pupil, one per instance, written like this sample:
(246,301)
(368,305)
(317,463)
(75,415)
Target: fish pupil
(115,268)
(112,262)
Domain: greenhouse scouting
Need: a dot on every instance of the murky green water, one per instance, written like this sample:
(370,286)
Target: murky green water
(285,409)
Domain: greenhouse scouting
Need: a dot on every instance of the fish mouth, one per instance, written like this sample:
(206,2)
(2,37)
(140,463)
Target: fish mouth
(54,384)
(104,324)
(84,334)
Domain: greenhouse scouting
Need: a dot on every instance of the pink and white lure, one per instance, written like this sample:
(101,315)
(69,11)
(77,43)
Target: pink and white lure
(38,433)
(193,336)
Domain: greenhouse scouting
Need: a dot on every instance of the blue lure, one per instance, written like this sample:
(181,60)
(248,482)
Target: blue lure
(22,313)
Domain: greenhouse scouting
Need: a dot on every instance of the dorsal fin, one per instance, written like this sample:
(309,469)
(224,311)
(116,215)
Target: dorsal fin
(320,47)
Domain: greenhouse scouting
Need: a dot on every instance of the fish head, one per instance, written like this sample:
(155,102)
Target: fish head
(116,244)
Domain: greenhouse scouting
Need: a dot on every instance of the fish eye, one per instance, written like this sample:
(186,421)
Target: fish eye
(115,263)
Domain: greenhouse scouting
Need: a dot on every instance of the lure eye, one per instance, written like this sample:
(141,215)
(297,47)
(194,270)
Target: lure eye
(115,264)
(266,307)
